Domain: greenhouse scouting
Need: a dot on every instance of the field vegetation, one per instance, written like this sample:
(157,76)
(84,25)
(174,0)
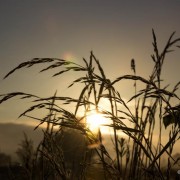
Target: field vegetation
(70,149)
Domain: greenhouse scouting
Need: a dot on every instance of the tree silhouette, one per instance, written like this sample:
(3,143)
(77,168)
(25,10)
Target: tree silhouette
(25,153)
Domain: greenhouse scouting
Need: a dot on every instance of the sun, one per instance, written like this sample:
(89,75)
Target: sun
(95,121)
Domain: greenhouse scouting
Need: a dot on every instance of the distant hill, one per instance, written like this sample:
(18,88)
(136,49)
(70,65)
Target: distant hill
(11,135)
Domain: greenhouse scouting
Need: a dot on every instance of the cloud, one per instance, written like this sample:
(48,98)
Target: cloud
(12,134)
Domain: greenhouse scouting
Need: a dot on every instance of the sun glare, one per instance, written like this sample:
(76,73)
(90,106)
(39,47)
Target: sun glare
(95,121)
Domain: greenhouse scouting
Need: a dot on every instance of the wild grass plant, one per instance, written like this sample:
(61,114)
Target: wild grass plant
(136,157)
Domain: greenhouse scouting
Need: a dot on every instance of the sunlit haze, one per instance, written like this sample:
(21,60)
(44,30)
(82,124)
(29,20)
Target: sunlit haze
(115,30)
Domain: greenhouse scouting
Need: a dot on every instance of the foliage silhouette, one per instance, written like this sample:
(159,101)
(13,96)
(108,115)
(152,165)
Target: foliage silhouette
(142,157)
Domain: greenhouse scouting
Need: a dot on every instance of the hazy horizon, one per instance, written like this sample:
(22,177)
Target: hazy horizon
(116,32)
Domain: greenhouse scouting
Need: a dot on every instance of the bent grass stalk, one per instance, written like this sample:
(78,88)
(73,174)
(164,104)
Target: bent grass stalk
(152,104)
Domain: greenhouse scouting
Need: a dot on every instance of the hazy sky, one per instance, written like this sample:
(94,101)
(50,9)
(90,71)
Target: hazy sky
(115,30)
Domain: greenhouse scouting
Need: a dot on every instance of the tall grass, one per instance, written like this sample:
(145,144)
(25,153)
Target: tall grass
(138,156)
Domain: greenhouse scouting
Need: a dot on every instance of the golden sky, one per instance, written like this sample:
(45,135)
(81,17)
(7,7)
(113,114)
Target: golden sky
(116,31)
